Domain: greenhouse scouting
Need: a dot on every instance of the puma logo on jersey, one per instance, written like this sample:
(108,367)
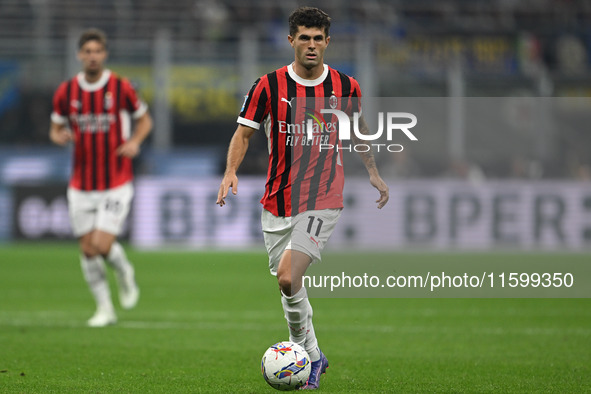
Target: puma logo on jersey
(244,103)
(286,100)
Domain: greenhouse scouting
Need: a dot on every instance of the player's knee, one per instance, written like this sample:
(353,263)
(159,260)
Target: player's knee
(94,247)
(88,246)
(102,249)
(88,250)
(285,283)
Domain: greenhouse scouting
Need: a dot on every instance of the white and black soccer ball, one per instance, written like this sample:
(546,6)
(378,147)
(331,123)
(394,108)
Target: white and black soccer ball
(286,366)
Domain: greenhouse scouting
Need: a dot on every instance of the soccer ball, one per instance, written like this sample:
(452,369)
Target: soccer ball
(286,366)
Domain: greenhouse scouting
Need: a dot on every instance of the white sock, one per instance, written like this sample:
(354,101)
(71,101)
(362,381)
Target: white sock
(93,270)
(295,309)
(298,313)
(118,259)
(311,341)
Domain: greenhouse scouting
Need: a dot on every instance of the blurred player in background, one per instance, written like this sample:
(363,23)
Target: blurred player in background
(297,221)
(93,110)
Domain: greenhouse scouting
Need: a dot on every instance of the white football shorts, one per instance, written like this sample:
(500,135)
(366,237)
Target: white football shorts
(104,210)
(307,232)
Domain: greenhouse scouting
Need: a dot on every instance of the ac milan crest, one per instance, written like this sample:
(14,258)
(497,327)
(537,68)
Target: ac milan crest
(332,101)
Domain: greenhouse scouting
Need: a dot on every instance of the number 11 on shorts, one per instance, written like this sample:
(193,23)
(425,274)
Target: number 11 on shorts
(311,224)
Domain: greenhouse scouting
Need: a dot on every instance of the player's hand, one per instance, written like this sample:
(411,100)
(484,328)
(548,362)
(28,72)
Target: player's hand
(128,149)
(229,181)
(377,182)
(61,136)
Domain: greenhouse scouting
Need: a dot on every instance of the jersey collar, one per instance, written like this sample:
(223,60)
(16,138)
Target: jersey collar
(307,82)
(93,87)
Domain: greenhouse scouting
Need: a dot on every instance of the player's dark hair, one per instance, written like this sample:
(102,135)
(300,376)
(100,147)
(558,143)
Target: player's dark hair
(308,17)
(92,34)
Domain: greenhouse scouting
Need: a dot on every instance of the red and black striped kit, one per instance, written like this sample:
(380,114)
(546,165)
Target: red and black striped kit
(301,176)
(99,115)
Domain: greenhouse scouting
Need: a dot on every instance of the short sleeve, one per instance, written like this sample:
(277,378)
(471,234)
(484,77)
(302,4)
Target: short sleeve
(131,102)
(59,115)
(356,95)
(256,105)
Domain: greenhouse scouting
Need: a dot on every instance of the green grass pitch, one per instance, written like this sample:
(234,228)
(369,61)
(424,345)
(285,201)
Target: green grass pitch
(205,319)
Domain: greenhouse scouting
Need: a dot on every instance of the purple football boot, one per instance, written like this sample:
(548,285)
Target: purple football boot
(318,368)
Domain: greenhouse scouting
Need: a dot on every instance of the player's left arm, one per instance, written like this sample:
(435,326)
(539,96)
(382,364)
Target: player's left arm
(370,164)
(142,120)
(143,127)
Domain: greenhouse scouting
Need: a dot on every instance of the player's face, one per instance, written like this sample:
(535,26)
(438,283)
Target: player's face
(309,44)
(92,55)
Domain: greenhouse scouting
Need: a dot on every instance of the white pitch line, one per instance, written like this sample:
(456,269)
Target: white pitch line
(252,326)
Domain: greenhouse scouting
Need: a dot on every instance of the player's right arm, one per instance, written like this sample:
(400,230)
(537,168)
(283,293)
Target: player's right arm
(254,109)
(59,134)
(236,152)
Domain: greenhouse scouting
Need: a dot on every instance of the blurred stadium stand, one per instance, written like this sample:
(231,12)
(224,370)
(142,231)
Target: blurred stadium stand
(194,60)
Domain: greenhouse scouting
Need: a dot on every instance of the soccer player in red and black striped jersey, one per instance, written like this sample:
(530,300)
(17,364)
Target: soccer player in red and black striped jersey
(93,110)
(303,197)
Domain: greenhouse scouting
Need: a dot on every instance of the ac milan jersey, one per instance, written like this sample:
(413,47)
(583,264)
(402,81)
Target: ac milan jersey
(99,116)
(299,177)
